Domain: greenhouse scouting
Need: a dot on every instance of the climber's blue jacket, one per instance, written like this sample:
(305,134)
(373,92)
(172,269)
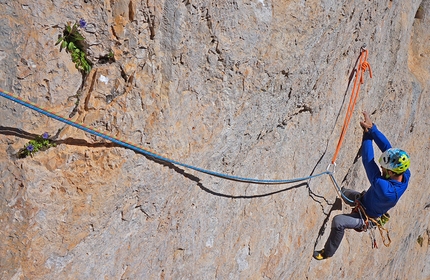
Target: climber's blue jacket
(383,193)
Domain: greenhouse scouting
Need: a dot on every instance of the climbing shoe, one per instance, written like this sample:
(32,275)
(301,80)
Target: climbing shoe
(319,255)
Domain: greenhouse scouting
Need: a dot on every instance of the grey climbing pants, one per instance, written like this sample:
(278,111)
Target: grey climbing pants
(340,223)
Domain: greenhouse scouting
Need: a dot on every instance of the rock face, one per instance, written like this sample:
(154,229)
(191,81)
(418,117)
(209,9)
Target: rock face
(251,88)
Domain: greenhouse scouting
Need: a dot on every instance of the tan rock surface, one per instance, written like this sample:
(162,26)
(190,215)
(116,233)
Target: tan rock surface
(252,88)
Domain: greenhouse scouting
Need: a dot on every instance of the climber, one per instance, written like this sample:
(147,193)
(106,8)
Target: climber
(384,191)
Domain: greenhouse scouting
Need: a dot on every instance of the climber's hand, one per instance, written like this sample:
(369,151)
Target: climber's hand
(367,123)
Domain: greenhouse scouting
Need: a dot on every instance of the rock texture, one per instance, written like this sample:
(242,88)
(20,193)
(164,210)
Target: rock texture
(254,88)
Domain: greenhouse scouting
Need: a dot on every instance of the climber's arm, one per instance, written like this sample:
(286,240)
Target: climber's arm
(367,155)
(379,138)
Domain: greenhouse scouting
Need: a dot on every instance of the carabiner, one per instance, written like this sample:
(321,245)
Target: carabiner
(334,167)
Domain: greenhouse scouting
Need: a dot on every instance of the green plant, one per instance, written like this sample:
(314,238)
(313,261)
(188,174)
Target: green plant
(73,41)
(420,240)
(40,143)
(110,54)
(108,58)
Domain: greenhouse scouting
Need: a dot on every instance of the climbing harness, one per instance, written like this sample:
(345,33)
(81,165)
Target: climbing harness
(141,150)
(370,224)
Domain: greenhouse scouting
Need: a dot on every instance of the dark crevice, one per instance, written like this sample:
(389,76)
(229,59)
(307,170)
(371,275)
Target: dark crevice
(313,195)
(301,109)
(78,94)
(107,58)
(337,205)
(81,142)
(151,26)
(114,33)
(420,12)
(87,98)
(350,78)
(123,74)
(304,108)
(131,12)
(78,98)
(11,131)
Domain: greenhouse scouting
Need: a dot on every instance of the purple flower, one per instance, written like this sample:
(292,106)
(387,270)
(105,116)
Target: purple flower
(45,135)
(30,148)
(82,23)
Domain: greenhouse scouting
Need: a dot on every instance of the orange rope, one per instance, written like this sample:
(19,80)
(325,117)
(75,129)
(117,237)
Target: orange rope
(361,68)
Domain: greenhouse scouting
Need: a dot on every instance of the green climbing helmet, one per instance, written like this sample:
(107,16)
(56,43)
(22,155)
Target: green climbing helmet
(395,159)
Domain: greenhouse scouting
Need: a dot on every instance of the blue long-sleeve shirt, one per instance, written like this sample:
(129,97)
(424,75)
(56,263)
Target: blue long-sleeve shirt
(383,193)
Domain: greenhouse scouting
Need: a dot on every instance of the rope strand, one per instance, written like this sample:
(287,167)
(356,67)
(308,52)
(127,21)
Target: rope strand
(362,67)
(145,151)
(359,76)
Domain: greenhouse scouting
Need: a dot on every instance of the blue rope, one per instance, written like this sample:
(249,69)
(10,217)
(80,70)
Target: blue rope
(151,154)
(339,189)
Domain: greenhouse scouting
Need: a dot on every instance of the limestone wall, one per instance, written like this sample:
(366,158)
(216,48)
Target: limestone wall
(251,88)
